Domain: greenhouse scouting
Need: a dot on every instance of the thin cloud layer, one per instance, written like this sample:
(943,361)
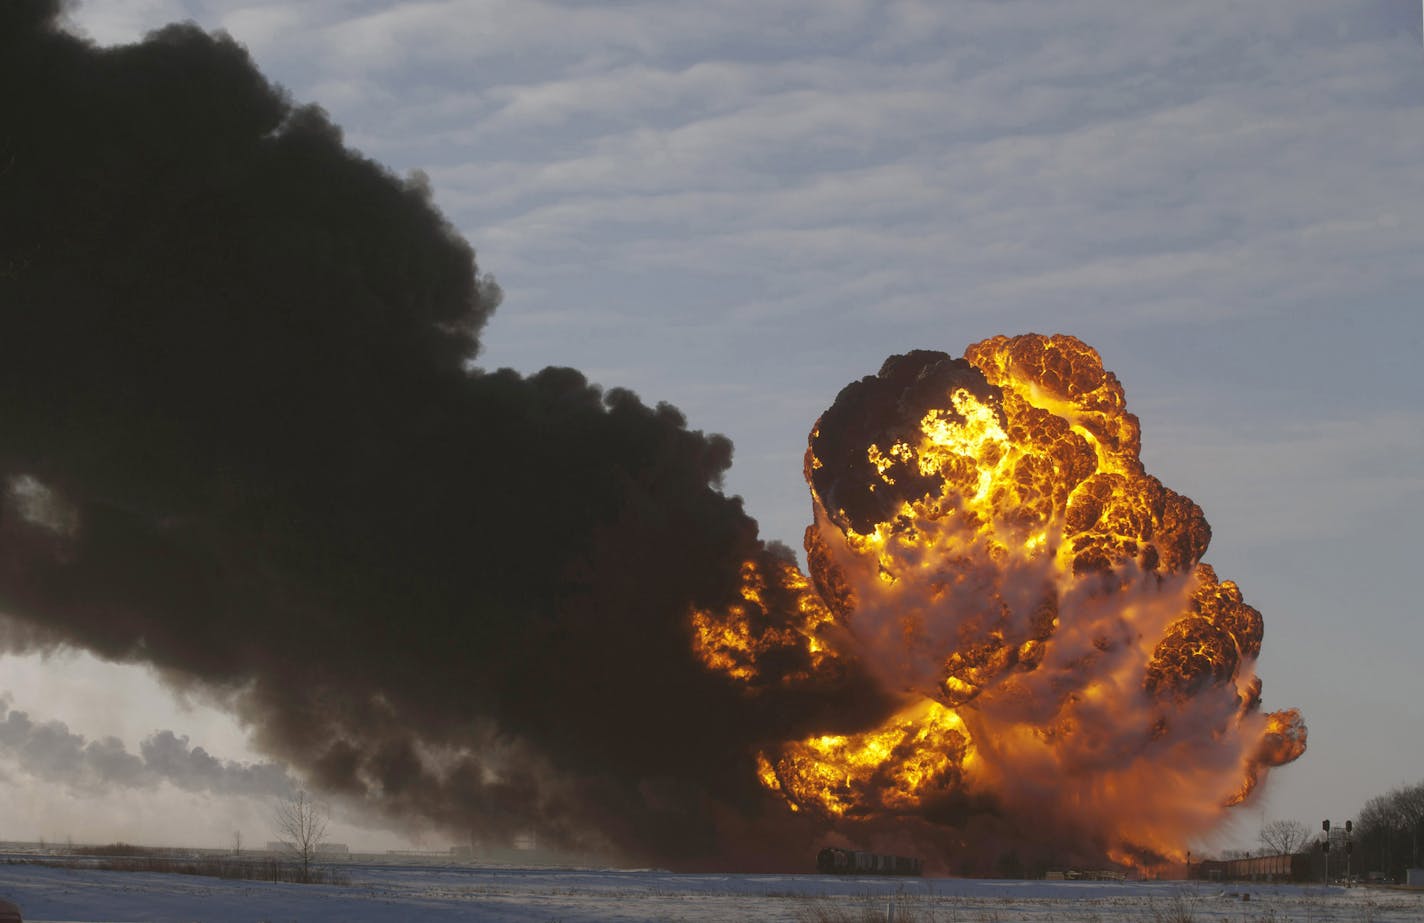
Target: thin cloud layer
(897,175)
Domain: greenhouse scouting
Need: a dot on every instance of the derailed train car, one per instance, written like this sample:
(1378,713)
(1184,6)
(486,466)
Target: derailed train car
(835,861)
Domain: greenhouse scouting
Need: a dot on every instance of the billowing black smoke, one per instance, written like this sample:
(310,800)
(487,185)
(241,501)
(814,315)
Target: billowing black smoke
(240,440)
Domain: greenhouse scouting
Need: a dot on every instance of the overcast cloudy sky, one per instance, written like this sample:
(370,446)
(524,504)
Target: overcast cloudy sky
(738,207)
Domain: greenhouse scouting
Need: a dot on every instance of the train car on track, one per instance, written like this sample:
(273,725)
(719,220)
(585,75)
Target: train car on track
(836,861)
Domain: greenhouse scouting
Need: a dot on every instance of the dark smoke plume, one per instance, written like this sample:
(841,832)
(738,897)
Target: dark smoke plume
(241,441)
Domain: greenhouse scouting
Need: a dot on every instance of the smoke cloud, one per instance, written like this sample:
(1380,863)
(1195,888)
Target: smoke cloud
(242,441)
(49,749)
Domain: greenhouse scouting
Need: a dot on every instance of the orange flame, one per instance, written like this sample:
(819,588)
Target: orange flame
(988,545)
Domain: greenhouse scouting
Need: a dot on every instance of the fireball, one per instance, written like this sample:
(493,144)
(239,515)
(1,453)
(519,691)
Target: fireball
(988,546)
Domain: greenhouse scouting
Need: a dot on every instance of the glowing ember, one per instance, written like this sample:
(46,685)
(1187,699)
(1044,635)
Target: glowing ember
(987,544)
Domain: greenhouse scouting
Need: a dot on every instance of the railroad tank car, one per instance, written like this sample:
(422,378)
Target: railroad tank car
(836,861)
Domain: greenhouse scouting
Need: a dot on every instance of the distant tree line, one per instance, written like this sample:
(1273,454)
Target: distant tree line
(1388,834)
(1390,830)
(124,857)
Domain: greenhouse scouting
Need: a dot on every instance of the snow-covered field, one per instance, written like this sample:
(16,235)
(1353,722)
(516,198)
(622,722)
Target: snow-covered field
(420,893)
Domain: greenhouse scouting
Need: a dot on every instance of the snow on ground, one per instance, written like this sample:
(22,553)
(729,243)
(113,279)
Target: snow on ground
(387,893)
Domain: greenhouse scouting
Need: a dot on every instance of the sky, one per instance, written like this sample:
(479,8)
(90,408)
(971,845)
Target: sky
(740,207)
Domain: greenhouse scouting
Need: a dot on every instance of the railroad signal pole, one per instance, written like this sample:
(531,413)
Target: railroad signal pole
(1325,850)
(1349,848)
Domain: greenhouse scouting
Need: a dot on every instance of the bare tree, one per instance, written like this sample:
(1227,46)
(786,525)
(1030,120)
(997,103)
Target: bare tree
(301,823)
(1284,837)
(237,842)
(1378,829)
(1409,803)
